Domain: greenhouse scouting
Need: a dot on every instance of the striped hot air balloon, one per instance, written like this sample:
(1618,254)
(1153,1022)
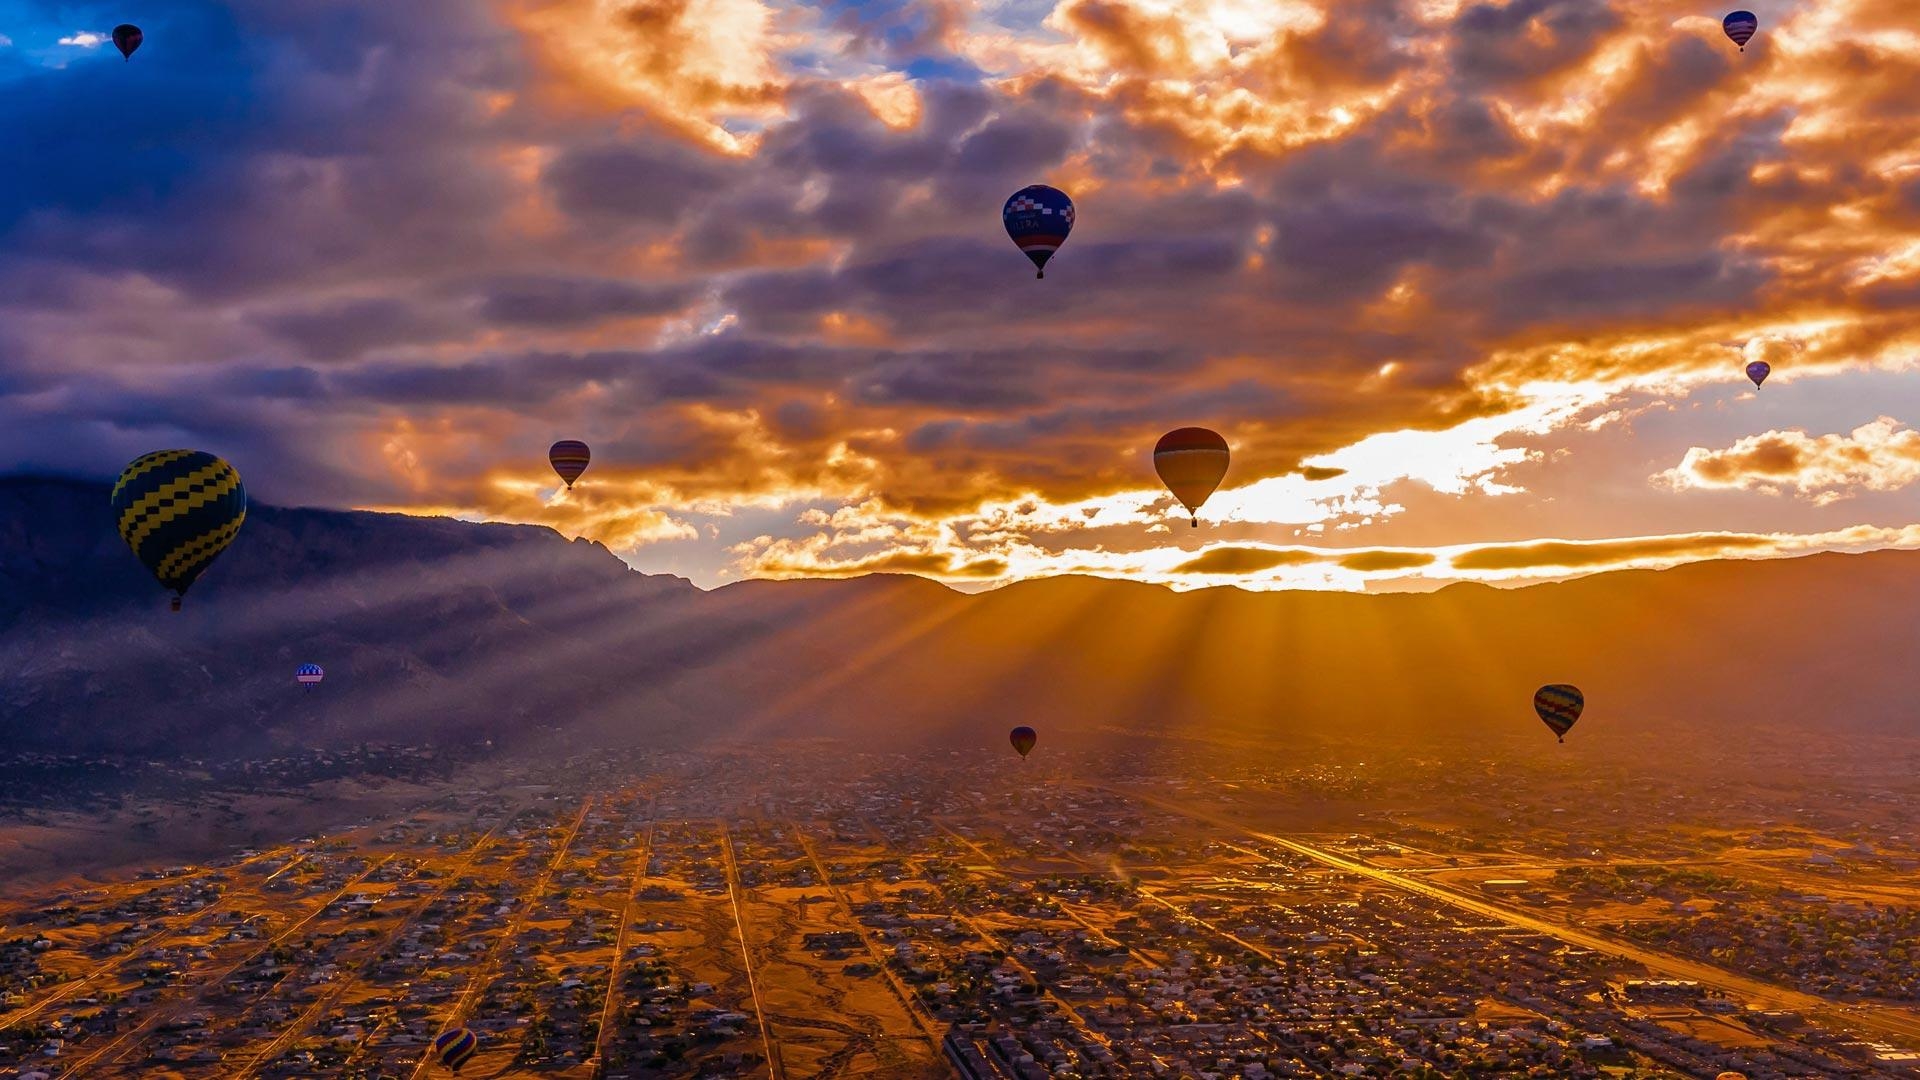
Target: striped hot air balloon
(1038,218)
(569,458)
(1758,372)
(1023,739)
(1191,462)
(1559,705)
(309,675)
(177,509)
(455,1046)
(1740,26)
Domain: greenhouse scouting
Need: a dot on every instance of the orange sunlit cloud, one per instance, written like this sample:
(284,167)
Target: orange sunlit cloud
(1447,276)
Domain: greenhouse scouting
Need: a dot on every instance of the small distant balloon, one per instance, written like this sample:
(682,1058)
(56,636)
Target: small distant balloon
(177,510)
(1038,218)
(309,675)
(1191,461)
(1559,705)
(1740,26)
(1758,371)
(127,37)
(455,1047)
(1023,739)
(569,458)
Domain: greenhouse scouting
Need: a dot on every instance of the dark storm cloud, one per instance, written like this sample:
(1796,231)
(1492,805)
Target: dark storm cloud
(652,182)
(350,327)
(1523,40)
(1613,290)
(567,301)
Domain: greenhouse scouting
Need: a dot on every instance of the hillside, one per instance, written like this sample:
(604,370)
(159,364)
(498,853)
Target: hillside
(437,629)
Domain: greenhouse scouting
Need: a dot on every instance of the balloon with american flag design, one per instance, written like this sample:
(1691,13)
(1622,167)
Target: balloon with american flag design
(1038,219)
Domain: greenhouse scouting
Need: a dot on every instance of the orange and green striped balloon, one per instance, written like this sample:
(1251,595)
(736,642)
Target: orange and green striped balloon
(177,510)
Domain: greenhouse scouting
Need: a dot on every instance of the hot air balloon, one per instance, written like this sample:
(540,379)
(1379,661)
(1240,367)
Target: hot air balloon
(1758,372)
(1740,26)
(569,458)
(1038,219)
(454,1046)
(1559,705)
(177,509)
(1023,739)
(127,37)
(1191,461)
(309,675)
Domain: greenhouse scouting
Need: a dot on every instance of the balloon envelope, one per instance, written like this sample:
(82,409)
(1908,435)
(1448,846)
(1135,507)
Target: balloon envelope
(1559,705)
(127,37)
(177,509)
(309,674)
(569,458)
(1758,371)
(1191,462)
(454,1047)
(1023,739)
(1038,218)
(1740,26)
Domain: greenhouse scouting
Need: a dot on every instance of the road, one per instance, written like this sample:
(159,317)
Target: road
(1875,1021)
(111,1052)
(529,901)
(173,925)
(774,1069)
(613,994)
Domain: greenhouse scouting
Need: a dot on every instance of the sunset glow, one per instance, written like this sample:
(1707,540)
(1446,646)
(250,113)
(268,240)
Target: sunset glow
(1449,278)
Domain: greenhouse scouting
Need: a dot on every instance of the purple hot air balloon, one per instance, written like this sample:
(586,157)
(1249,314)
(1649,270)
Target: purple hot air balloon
(1023,739)
(1758,372)
(1740,26)
(127,37)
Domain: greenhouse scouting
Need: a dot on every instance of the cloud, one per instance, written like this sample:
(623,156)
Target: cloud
(1578,555)
(1438,270)
(84,39)
(1878,456)
(1387,560)
(1234,559)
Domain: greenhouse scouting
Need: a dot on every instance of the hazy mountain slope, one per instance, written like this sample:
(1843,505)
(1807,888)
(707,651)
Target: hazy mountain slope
(442,629)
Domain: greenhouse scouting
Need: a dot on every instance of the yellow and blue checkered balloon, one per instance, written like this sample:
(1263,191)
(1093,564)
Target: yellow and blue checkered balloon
(177,509)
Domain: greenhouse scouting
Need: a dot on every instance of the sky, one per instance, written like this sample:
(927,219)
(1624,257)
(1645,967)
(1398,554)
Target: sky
(1468,287)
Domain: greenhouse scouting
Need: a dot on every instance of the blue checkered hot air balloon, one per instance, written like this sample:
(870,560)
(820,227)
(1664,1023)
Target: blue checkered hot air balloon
(309,675)
(177,509)
(1740,26)
(1038,219)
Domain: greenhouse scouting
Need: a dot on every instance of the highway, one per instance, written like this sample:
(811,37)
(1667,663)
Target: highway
(1872,1021)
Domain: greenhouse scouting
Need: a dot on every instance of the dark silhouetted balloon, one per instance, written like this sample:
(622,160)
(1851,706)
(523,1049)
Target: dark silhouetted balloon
(177,509)
(1758,371)
(569,458)
(1740,26)
(309,675)
(1191,461)
(1559,705)
(1038,218)
(127,37)
(1023,739)
(455,1046)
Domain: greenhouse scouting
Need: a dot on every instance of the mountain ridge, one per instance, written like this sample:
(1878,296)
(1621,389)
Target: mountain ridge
(442,630)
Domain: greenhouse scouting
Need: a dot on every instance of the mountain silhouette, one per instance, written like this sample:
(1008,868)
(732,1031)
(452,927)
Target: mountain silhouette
(434,630)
